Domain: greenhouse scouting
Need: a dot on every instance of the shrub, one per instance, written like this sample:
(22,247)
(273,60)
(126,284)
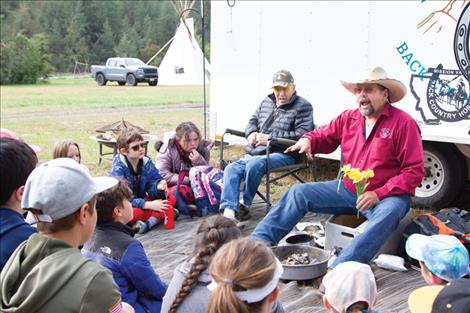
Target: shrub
(23,60)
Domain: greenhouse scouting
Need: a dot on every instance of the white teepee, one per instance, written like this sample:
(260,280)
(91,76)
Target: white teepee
(182,64)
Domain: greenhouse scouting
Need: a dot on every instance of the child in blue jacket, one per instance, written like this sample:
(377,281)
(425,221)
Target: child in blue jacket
(147,185)
(17,161)
(113,246)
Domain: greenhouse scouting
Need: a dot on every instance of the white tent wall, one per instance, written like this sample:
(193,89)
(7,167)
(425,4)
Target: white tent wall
(184,54)
(252,40)
(321,42)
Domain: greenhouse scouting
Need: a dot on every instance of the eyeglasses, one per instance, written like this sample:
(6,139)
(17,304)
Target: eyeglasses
(137,146)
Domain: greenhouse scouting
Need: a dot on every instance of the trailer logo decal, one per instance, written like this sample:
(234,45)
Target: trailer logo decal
(461,42)
(437,20)
(447,90)
(446,94)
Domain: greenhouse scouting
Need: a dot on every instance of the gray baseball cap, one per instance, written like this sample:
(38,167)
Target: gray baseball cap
(282,78)
(60,187)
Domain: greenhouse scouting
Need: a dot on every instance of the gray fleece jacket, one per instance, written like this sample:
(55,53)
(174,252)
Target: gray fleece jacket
(198,299)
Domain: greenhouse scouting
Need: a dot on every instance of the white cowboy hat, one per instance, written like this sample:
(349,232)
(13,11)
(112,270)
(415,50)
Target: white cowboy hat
(377,75)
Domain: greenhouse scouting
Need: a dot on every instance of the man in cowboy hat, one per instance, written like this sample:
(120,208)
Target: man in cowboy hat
(375,135)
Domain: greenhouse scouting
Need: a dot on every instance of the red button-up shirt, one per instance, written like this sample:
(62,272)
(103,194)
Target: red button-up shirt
(393,149)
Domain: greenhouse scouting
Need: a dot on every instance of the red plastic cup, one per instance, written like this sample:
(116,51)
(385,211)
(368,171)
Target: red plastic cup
(169,222)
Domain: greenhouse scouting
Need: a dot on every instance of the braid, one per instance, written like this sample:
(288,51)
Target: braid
(212,233)
(201,263)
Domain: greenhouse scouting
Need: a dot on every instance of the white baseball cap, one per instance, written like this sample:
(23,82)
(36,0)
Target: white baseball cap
(348,283)
(60,187)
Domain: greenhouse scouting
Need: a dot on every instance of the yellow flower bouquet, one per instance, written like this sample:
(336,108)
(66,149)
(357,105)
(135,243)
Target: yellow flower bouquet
(358,178)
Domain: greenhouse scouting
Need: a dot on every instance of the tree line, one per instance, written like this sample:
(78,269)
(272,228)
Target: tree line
(41,37)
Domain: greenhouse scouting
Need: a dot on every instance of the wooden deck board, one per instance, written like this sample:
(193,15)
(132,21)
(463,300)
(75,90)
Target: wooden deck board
(167,248)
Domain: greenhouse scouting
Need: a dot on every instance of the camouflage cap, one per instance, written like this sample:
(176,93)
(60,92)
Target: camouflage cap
(282,78)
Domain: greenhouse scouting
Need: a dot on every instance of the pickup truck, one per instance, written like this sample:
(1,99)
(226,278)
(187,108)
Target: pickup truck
(125,70)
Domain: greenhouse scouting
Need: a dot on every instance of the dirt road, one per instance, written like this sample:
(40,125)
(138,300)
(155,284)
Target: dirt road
(101,111)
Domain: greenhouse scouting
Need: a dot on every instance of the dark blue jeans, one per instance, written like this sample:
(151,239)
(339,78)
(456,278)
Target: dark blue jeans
(250,169)
(322,197)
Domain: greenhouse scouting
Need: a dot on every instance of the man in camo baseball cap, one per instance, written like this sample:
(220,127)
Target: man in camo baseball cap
(282,78)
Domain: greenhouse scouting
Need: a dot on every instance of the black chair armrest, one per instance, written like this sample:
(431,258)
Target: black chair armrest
(282,142)
(157,145)
(229,131)
(235,132)
(285,143)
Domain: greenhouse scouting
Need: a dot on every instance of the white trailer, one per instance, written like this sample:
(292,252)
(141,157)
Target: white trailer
(423,43)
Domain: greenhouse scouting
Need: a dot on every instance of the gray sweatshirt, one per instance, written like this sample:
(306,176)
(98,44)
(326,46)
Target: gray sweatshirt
(198,299)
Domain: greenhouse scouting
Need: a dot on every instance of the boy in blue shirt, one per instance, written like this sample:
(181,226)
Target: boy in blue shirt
(147,185)
(113,246)
(17,161)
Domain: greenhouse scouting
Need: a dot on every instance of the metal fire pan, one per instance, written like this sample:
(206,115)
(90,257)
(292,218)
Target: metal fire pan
(303,271)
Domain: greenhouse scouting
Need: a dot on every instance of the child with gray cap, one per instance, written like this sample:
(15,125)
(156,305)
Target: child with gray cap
(442,258)
(47,273)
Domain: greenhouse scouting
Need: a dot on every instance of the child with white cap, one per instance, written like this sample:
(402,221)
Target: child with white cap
(442,258)
(47,273)
(350,288)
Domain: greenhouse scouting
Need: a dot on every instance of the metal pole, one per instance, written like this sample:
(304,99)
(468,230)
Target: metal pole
(204,69)
(203,61)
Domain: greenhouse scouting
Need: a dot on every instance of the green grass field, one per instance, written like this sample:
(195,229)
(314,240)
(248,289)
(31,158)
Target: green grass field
(67,93)
(66,108)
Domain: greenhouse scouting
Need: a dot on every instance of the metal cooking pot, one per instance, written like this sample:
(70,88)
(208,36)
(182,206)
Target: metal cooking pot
(303,271)
(302,238)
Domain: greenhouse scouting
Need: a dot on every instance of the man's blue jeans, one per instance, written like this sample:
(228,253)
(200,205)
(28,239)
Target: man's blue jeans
(322,197)
(251,169)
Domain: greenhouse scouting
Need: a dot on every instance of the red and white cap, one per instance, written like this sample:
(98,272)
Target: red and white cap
(6,133)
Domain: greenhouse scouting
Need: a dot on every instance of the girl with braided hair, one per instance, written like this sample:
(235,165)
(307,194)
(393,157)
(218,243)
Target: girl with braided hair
(245,275)
(188,291)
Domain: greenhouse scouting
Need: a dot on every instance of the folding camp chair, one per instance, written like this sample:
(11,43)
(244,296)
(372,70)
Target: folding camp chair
(285,170)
